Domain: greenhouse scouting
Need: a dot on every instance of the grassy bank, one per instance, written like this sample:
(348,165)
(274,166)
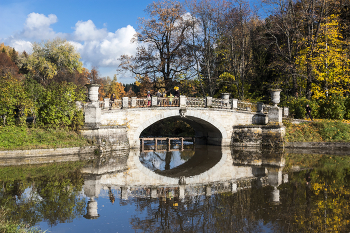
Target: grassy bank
(23,138)
(318,131)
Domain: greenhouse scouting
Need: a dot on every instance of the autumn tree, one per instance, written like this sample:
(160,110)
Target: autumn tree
(115,87)
(163,40)
(50,58)
(330,63)
(7,66)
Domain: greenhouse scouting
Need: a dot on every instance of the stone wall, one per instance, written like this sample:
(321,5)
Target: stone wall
(270,136)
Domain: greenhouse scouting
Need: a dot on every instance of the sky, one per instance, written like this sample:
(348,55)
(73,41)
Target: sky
(101,30)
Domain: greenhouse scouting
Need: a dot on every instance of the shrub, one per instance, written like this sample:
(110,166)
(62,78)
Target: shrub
(332,107)
(297,107)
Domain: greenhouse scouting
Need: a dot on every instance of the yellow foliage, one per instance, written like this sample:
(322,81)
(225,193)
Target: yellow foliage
(329,61)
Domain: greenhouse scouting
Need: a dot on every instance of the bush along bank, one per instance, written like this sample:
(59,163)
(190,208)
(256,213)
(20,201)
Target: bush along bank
(318,131)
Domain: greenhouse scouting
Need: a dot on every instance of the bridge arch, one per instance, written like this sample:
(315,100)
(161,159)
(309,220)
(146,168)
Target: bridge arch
(208,129)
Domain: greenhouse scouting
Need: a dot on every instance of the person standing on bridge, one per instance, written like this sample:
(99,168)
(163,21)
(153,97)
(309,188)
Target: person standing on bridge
(149,98)
(159,95)
(112,99)
(171,99)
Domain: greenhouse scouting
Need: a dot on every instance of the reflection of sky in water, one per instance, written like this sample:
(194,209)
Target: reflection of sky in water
(156,160)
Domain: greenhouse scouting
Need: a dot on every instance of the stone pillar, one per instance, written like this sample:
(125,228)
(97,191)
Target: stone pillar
(225,100)
(125,102)
(234,103)
(183,101)
(285,111)
(92,115)
(106,103)
(275,116)
(154,101)
(208,101)
(133,102)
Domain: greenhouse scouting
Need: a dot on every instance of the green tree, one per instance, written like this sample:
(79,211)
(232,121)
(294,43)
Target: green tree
(14,102)
(50,58)
(58,108)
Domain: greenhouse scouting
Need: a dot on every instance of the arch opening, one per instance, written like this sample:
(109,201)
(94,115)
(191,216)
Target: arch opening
(204,132)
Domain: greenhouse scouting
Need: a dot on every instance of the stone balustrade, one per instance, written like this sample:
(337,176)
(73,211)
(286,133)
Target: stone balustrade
(190,102)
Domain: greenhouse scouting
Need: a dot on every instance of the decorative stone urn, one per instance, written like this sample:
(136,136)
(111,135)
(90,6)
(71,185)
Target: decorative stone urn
(275,96)
(93,91)
(225,99)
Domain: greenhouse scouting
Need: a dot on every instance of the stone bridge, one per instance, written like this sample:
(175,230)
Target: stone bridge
(121,122)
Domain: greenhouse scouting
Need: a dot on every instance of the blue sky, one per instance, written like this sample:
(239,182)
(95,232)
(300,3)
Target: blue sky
(100,30)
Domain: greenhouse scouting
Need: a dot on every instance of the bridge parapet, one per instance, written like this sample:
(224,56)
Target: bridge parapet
(184,101)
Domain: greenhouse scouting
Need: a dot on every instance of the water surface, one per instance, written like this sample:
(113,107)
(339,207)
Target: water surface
(206,189)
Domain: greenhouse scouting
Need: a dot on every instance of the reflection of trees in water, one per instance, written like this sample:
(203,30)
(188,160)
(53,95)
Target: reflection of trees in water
(318,203)
(45,198)
(226,212)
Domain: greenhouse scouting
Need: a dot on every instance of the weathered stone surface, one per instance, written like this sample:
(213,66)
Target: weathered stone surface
(92,115)
(273,136)
(275,116)
(258,135)
(107,137)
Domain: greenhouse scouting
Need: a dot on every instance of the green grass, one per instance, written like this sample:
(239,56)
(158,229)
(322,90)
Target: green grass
(23,138)
(318,131)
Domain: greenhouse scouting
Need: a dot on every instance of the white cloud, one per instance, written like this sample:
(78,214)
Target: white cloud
(37,26)
(97,47)
(87,31)
(106,51)
(37,21)
(22,45)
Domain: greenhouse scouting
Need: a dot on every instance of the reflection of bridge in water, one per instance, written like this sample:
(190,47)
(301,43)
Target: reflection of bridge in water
(131,179)
(168,141)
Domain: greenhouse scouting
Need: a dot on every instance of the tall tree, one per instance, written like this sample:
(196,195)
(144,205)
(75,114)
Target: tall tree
(234,45)
(50,58)
(205,34)
(163,43)
(330,62)
(284,32)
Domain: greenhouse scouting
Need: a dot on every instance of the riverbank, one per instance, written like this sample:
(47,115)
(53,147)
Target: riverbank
(321,133)
(24,138)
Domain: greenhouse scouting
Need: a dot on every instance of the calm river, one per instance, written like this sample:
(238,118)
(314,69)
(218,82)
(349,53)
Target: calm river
(201,189)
